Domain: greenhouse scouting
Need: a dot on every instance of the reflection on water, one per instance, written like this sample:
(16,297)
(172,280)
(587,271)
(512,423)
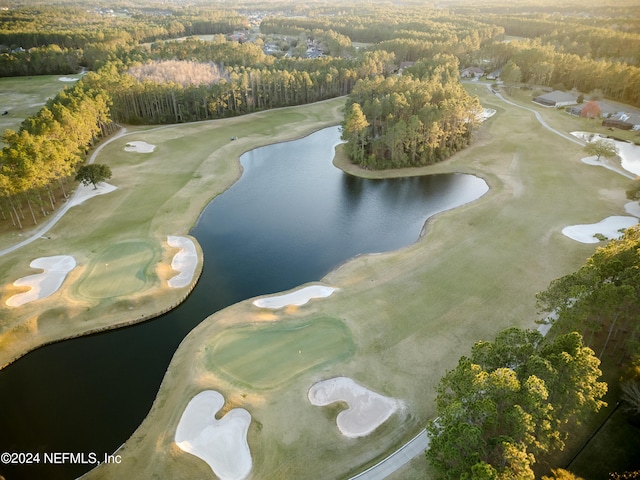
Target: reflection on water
(290,219)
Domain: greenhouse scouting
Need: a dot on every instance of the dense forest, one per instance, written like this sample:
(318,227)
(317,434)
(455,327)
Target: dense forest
(271,55)
(415,118)
(398,67)
(577,50)
(42,39)
(46,151)
(509,401)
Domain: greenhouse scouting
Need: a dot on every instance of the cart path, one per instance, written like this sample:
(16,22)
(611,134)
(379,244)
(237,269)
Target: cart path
(606,164)
(70,202)
(398,459)
(417,445)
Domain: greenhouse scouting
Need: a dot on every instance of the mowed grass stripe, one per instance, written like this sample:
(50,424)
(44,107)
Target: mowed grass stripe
(412,313)
(121,269)
(157,194)
(265,356)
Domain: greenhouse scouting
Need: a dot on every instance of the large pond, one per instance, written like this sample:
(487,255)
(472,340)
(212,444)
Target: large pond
(290,219)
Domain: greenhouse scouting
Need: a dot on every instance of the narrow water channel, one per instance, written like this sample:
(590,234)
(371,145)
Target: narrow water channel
(290,219)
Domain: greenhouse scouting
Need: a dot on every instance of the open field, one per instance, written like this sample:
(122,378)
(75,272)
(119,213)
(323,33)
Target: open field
(22,97)
(411,313)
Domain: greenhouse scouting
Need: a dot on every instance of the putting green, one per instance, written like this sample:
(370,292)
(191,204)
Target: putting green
(264,356)
(121,269)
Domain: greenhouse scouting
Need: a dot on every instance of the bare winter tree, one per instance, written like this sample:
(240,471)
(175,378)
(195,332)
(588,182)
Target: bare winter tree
(184,73)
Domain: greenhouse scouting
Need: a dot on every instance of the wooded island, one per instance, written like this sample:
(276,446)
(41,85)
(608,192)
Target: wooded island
(402,70)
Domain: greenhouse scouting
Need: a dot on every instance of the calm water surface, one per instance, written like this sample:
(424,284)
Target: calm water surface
(290,219)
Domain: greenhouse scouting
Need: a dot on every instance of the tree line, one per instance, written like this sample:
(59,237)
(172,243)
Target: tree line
(243,89)
(533,63)
(564,53)
(602,299)
(46,151)
(75,27)
(506,407)
(587,39)
(375,24)
(42,40)
(419,118)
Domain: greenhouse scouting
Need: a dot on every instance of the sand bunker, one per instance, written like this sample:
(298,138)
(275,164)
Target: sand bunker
(185,261)
(43,284)
(85,192)
(221,443)
(296,298)
(632,208)
(139,147)
(367,410)
(628,152)
(486,113)
(609,227)
(630,156)
(68,79)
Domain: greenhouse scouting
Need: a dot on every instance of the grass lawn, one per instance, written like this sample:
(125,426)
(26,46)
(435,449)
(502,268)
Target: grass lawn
(157,195)
(411,313)
(122,269)
(614,448)
(261,356)
(25,96)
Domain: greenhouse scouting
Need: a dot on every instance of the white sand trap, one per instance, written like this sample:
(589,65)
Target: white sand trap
(628,152)
(296,298)
(632,208)
(185,261)
(486,113)
(221,443)
(43,284)
(367,410)
(139,147)
(593,160)
(85,192)
(609,227)
(68,79)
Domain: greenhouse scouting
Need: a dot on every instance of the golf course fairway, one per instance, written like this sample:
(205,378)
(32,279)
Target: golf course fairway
(402,318)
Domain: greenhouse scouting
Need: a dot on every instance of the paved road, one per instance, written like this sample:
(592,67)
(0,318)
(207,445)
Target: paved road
(540,119)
